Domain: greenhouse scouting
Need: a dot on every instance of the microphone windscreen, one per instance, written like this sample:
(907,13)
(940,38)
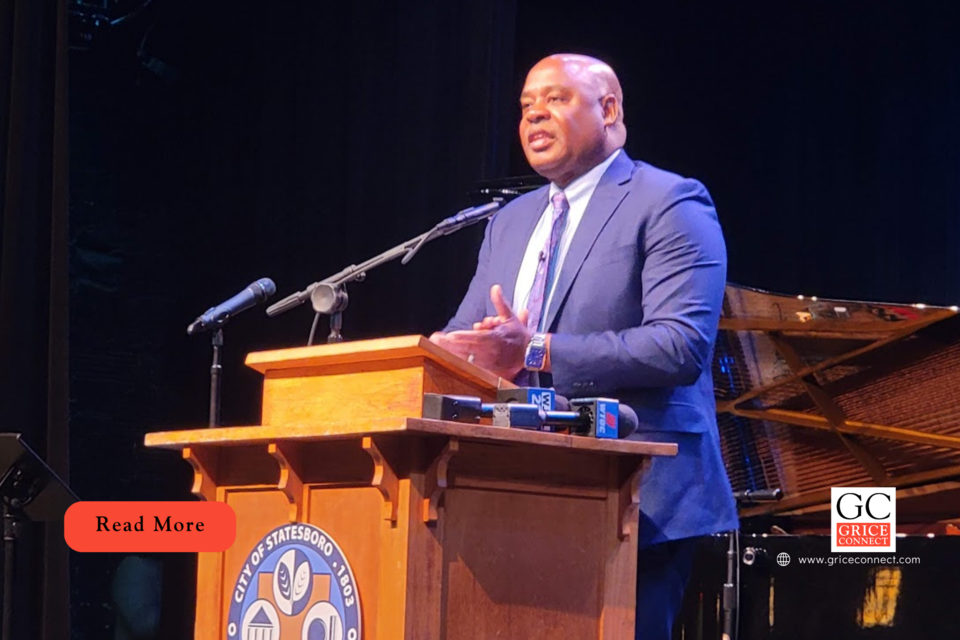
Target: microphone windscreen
(561,403)
(628,422)
(267,288)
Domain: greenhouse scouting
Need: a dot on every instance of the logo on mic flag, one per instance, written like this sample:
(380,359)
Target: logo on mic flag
(543,398)
(608,418)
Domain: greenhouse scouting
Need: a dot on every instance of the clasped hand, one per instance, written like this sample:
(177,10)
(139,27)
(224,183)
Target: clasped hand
(496,343)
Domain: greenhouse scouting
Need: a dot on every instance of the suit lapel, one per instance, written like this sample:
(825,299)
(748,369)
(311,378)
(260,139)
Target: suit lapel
(610,192)
(518,239)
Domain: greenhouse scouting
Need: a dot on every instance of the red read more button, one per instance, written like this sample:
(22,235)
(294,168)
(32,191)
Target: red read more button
(150,526)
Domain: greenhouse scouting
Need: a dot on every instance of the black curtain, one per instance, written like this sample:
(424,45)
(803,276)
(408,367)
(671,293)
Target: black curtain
(220,142)
(34,301)
(828,133)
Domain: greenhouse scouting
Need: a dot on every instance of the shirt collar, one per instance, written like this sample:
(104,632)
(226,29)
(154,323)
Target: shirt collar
(585,184)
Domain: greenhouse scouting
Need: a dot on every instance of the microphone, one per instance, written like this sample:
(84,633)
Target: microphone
(407,250)
(544,397)
(607,418)
(452,224)
(214,317)
(290,302)
(598,417)
(467,217)
(629,422)
(758,495)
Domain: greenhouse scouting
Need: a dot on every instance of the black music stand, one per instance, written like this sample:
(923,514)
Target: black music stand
(29,491)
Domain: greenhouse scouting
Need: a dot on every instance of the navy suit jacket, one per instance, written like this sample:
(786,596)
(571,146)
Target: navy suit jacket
(634,316)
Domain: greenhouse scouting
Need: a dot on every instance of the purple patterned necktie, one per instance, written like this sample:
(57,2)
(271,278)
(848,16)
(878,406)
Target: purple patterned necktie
(547,267)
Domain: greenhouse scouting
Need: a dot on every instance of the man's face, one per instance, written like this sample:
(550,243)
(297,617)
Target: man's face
(562,125)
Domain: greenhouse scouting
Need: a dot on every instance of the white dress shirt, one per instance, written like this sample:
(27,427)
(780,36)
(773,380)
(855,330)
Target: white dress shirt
(578,195)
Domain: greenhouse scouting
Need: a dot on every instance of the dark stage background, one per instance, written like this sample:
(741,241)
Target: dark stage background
(214,143)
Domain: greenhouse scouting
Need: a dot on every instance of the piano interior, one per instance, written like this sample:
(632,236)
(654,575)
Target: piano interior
(814,393)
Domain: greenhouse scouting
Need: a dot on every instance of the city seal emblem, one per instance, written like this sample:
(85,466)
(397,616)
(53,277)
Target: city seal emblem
(296,584)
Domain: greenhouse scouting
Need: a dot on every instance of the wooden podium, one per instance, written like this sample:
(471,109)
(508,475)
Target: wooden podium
(452,531)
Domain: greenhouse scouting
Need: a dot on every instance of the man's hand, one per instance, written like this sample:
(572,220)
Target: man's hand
(504,312)
(497,343)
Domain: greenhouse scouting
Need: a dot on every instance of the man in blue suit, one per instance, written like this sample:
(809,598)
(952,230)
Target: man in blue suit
(616,273)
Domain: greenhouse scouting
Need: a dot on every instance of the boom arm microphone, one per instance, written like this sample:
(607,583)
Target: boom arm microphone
(467,217)
(455,223)
(215,317)
(405,250)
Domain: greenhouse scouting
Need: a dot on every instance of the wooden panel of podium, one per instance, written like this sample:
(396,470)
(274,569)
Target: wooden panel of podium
(356,518)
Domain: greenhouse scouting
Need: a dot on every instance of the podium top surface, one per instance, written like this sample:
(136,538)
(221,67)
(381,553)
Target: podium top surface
(372,351)
(237,436)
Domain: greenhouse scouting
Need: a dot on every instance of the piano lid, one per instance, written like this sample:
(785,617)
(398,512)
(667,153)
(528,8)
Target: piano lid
(507,188)
(815,393)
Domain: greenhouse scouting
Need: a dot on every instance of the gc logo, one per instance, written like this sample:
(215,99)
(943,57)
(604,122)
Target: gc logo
(863,519)
(855,504)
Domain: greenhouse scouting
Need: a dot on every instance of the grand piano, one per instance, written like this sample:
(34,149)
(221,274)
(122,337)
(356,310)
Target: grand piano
(815,393)
(812,394)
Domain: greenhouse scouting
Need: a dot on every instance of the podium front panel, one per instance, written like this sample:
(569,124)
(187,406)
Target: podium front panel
(520,565)
(352,517)
(258,511)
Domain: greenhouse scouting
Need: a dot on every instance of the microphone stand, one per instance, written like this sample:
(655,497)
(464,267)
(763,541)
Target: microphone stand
(216,371)
(29,492)
(329,296)
(336,324)
(731,588)
(11,531)
(213,320)
(215,381)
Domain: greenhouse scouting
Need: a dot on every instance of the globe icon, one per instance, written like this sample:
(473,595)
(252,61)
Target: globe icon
(783,558)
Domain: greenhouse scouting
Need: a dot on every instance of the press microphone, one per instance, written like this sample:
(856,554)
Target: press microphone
(598,417)
(544,397)
(214,317)
(629,422)
(467,217)
(608,418)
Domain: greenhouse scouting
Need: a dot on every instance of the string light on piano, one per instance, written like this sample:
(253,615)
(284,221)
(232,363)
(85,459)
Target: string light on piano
(803,297)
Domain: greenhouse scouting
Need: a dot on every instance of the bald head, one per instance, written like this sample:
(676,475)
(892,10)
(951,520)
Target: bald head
(597,75)
(572,119)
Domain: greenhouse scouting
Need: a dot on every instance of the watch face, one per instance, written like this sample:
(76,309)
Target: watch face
(534,359)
